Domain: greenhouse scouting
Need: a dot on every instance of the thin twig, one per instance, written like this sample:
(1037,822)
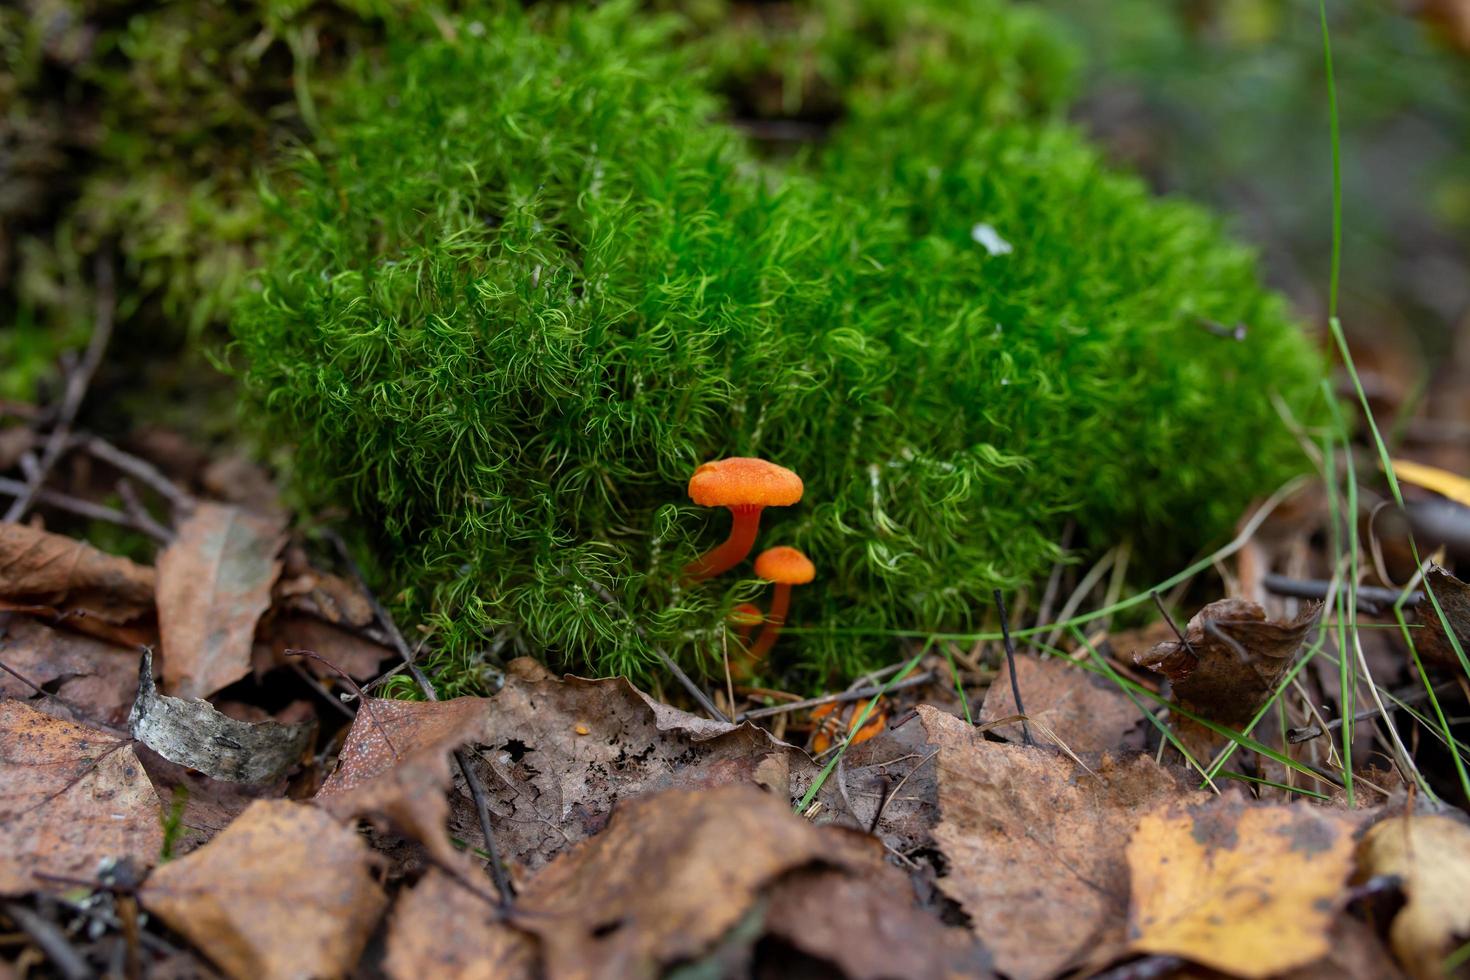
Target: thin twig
(1298,735)
(78,506)
(1164,611)
(1371,598)
(1005,630)
(138,468)
(76,710)
(366,702)
(883,803)
(77,383)
(139,513)
(51,941)
(927,677)
(471,778)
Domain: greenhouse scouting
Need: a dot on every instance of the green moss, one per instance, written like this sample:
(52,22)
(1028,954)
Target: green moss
(524,286)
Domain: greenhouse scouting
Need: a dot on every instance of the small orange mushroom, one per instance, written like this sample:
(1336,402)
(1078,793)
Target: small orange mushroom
(785,567)
(746,486)
(745,618)
(829,728)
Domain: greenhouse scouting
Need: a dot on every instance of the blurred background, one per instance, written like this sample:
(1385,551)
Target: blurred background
(139,129)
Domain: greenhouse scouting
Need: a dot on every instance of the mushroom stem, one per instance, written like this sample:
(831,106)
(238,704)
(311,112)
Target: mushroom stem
(775,619)
(746,521)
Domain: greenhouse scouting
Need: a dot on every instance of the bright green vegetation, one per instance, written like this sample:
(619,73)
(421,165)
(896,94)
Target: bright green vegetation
(524,286)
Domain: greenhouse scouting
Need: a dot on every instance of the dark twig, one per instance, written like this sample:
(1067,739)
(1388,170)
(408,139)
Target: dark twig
(76,710)
(77,383)
(366,701)
(841,697)
(1371,598)
(1005,630)
(695,691)
(52,941)
(139,513)
(471,778)
(1163,611)
(1297,735)
(79,507)
(322,692)
(892,791)
(140,469)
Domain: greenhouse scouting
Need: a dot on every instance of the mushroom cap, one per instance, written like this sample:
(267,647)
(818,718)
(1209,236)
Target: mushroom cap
(745,614)
(743,481)
(784,566)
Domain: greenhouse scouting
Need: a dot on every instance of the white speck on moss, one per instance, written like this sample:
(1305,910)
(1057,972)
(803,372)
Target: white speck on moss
(989,239)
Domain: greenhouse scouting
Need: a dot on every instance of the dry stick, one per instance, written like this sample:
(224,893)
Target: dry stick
(1005,630)
(893,791)
(1370,597)
(927,677)
(142,470)
(79,507)
(472,780)
(1298,735)
(1163,611)
(52,941)
(77,382)
(76,710)
(140,513)
(695,691)
(322,692)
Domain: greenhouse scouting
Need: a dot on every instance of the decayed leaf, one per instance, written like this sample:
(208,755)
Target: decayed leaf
(1035,844)
(440,929)
(560,754)
(71,576)
(284,891)
(1084,711)
(193,733)
(99,679)
(1251,890)
(213,584)
(356,656)
(1431,853)
(70,797)
(1433,642)
(669,876)
(1229,667)
(394,765)
(206,806)
(327,597)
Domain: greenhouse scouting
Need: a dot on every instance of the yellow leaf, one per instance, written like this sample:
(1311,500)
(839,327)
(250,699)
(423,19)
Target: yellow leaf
(1442,482)
(1248,890)
(1432,856)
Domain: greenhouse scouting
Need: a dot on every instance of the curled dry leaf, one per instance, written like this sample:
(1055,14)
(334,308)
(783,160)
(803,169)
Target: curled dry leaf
(671,874)
(1035,845)
(1433,642)
(1084,711)
(1230,665)
(1251,890)
(96,678)
(1431,854)
(71,576)
(394,766)
(284,891)
(441,929)
(560,754)
(71,797)
(192,733)
(214,582)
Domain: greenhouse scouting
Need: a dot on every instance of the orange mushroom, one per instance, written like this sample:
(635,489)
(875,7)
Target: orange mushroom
(745,618)
(746,486)
(785,567)
(829,728)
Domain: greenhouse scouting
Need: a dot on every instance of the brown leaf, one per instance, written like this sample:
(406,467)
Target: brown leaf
(1431,853)
(868,926)
(1433,642)
(394,766)
(1035,844)
(1084,711)
(284,891)
(560,754)
(98,679)
(440,929)
(71,796)
(1230,666)
(327,597)
(213,584)
(71,576)
(1251,890)
(670,875)
(208,805)
(357,657)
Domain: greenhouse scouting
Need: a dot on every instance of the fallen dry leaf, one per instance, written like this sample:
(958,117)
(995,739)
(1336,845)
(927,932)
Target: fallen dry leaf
(1230,665)
(327,597)
(1431,854)
(671,874)
(394,766)
(193,733)
(1443,482)
(1433,642)
(1250,890)
(207,806)
(1035,845)
(98,679)
(214,582)
(356,656)
(71,797)
(72,576)
(1084,711)
(551,786)
(284,891)
(441,929)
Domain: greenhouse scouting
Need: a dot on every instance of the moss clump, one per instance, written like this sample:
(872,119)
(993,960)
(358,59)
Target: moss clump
(527,286)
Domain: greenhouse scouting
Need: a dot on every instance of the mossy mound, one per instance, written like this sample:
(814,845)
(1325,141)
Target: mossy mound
(526,286)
